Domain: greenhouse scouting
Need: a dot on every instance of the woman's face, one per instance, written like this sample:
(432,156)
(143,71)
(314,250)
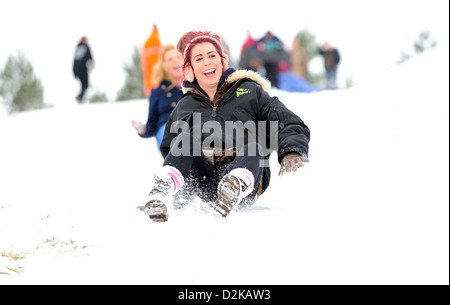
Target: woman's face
(172,62)
(207,64)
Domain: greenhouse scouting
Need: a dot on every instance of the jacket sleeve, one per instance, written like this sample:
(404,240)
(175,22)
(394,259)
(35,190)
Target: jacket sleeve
(337,57)
(293,134)
(89,54)
(152,120)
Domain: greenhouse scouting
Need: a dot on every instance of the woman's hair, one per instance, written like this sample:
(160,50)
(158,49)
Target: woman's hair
(160,72)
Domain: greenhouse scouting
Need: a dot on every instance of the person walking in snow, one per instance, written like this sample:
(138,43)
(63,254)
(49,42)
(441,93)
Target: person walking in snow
(201,156)
(164,98)
(331,60)
(82,63)
(264,56)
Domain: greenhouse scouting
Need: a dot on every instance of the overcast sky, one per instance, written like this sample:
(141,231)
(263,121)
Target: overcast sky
(370,35)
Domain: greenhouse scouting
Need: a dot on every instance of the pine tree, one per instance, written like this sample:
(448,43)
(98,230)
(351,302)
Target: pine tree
(421,44)
(20,89)
(304,49)
(134,86)
(424,42)
(98,97)
(307,41)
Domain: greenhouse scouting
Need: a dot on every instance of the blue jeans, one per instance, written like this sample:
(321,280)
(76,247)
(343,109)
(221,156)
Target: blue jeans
(159,135)
(331,79)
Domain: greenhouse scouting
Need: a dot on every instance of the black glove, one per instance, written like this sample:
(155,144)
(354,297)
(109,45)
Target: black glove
(292,162)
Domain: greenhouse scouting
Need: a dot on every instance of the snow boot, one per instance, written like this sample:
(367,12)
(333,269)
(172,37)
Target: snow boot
(234,187)
(167,182)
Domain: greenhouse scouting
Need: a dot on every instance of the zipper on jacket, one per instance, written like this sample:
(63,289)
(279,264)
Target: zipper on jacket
(211,104)
(213,111)
(280,123)
(214,108)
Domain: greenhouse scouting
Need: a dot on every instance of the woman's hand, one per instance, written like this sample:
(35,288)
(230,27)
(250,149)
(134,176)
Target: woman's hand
(140,128)
(292,162)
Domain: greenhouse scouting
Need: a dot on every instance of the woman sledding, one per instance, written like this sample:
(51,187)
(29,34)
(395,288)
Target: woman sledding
(201,158)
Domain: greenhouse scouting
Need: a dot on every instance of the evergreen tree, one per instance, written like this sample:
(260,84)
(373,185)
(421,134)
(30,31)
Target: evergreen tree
(134,86)
(304,49)
(424,42)
(98,97)
(421,44)
(307,41)
(20,89)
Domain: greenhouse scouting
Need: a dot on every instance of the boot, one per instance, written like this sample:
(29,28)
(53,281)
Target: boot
(167,183)
(234,187)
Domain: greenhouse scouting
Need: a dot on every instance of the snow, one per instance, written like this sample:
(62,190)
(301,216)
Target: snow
(370,208)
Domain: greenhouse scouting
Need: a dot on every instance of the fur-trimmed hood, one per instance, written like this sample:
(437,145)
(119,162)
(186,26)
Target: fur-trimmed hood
(234,76)
(255,76)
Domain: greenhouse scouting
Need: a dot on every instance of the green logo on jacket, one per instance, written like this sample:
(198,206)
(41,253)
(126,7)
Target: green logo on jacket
(241,91)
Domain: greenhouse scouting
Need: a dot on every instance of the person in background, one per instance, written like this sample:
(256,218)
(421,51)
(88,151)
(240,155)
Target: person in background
(83,62)
(199,157)
(263,56)
(331,59)
(163,99)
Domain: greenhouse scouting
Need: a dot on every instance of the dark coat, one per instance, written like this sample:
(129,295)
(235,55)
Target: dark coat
(82,56)
(331,58)
(242,97)
(162,102)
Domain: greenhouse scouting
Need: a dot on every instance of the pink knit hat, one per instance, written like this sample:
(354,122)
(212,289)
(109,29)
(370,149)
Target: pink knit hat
(189,40)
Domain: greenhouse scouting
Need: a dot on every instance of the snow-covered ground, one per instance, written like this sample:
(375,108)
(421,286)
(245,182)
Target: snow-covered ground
(372,206)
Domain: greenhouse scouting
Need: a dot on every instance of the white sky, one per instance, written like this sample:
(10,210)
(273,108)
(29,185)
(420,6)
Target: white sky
(369,34)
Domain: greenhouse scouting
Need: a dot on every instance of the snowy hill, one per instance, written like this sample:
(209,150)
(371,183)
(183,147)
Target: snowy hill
(370,208)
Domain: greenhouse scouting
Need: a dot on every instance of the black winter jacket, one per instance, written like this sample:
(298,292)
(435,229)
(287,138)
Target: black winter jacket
(242,97)
(82,56)
(331,58)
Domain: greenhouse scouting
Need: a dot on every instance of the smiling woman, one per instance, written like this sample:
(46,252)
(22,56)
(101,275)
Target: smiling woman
(207,67)
(162,100)
(210,146)
(208,59)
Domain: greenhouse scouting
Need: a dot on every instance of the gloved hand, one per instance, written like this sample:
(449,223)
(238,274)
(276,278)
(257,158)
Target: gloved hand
(292,162)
